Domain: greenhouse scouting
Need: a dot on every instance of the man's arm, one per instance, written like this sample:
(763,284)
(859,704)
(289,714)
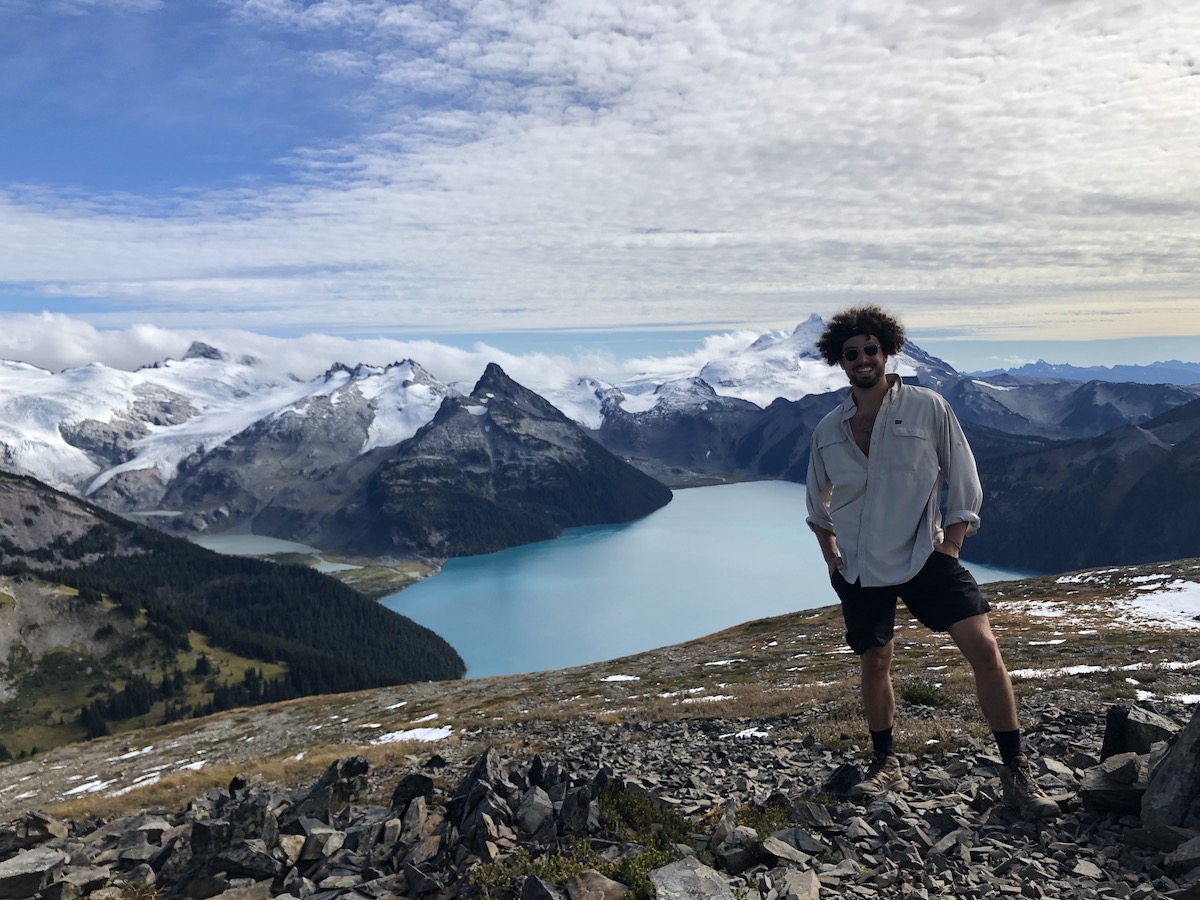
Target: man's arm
(965,494)
(829,550)
(818,493)
(953,536)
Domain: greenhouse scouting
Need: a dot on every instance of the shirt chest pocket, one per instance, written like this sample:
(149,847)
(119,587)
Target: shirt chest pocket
(840,459)
(912,450)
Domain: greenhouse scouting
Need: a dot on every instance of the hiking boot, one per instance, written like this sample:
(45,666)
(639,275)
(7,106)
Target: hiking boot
(1023,793)
(883,775)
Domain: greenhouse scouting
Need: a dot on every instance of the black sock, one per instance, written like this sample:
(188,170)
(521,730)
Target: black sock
(1009,743)
(881,742)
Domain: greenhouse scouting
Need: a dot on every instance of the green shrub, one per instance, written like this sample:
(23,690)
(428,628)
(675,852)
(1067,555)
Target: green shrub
(625,816)
(920,692)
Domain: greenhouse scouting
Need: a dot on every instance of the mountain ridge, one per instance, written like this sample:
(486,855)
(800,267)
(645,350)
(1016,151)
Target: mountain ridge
(210,444)
(1172,371)
(1124,484)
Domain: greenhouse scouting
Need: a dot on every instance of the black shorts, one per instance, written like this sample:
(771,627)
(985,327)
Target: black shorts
(942,593)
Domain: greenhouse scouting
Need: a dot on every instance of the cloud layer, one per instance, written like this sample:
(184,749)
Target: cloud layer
(499,164)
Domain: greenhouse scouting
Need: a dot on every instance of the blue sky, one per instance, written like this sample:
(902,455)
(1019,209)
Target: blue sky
(1011,176)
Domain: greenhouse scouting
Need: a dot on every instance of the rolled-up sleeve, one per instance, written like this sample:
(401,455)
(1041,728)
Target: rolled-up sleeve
(964,496)
(818,490)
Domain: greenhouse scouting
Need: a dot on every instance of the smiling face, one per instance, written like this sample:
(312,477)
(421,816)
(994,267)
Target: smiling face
(864,371)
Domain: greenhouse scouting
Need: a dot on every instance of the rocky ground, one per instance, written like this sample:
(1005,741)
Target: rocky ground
(741,746)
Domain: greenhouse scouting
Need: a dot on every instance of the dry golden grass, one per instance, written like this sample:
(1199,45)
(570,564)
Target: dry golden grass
(175,791)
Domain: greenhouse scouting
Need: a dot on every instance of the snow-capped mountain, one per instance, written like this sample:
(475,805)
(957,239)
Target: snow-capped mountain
(775,365)
(68,428)
(120,437)
(214,442)
(84,429)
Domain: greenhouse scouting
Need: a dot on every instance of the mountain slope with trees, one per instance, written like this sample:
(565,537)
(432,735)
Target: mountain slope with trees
(315,634)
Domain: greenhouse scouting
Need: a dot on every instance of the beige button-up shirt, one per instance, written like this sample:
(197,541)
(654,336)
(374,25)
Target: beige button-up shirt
(885,507)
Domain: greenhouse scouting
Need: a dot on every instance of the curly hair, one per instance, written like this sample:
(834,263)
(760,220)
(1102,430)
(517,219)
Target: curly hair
(871,320)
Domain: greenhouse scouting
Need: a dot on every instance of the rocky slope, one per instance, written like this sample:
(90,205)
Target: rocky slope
(733,750)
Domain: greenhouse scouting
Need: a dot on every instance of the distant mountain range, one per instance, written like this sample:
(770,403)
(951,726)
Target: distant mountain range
(1168,372)
(388,461)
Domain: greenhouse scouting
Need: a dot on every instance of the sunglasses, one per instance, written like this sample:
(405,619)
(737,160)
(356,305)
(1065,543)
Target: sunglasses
(850,354)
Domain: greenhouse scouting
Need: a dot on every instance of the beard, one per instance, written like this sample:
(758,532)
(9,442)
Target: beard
(867,379)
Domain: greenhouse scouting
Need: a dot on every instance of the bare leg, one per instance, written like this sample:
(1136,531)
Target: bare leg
(879,702)
(975,639)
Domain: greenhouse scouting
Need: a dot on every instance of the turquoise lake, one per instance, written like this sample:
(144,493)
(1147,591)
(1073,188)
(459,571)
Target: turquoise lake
(711,558)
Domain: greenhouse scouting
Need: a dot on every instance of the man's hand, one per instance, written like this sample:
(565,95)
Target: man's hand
(829,549)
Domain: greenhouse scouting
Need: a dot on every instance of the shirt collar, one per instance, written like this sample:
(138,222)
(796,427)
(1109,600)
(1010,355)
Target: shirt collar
(849,407)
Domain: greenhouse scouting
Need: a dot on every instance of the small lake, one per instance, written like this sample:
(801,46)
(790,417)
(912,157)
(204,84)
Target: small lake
(260,545)
(712,558)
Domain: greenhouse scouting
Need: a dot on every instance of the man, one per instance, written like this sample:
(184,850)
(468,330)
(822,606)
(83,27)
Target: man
(879,461)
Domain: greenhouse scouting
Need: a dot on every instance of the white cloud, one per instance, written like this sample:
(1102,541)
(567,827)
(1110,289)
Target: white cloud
(56,342)
(1025,166)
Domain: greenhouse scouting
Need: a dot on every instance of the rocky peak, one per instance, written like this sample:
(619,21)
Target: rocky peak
(339,368)
(693,394)
(932,372)
(201,350)
(413,372)
(496,386)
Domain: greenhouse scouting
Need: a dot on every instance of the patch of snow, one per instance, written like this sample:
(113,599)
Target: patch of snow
(621,678)
(1176,605)
(428,718)
(712,698)
(1044,609)
(141,781)
(130,755)
(1085,577)
(401,405)
(724,662)
(424,735)
(91,787)
(1047,673)
(746,734)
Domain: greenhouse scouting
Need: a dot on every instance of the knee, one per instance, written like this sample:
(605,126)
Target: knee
(877,661)
(983,651)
